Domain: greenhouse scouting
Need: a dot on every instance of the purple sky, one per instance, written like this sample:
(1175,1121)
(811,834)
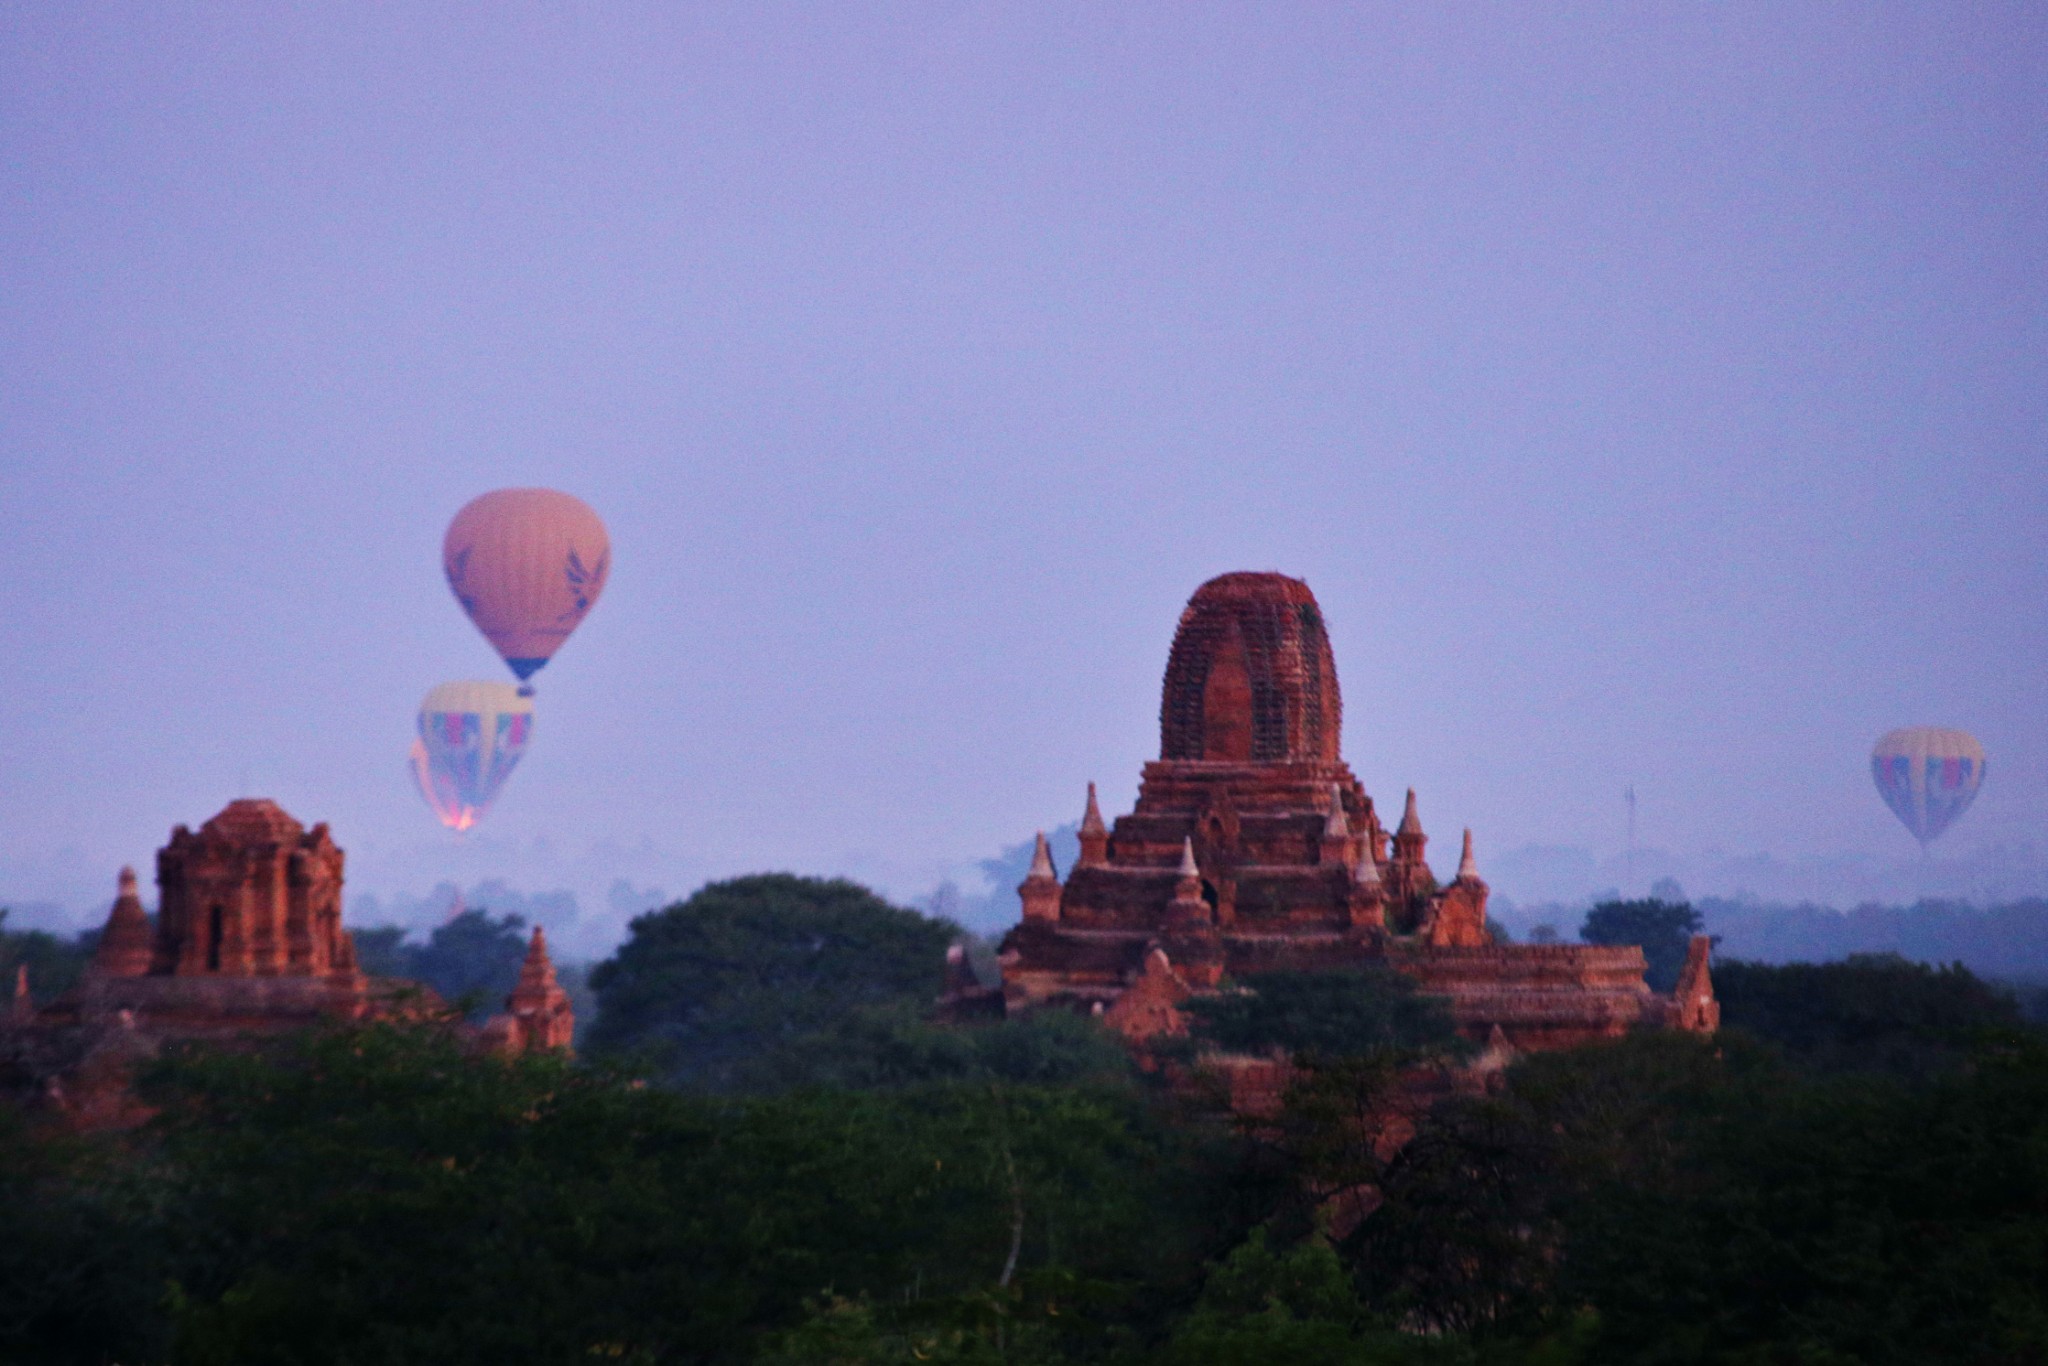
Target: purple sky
(1649,394)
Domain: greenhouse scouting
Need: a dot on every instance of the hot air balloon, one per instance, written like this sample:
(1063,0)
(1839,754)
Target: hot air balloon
(1928,776)
(526,564)
(471,738)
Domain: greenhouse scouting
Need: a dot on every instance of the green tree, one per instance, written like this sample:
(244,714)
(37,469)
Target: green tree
(472,960)
(714,985)
(83,1256)
(53,961)
(1872,1012)
(1663,929)
(381,1194)
(1325,1015)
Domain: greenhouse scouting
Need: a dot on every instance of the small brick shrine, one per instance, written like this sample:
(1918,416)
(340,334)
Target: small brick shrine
(248,940)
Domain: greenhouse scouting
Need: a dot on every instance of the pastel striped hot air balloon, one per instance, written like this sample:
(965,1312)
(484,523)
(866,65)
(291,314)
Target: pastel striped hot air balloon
(527,565)
(1928,776)
(471,736)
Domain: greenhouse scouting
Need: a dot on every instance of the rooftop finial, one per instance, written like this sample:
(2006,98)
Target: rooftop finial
(1411,824)
(1468,871)
(1041,862)
(1368,874)
(127,882)
(1337,827)
(1187,859)
(1091,819)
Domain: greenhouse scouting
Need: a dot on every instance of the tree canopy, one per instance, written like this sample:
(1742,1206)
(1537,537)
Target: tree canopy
(1323,1015)
(472,959)
(1662,928)
(1871,1012)
(712,986)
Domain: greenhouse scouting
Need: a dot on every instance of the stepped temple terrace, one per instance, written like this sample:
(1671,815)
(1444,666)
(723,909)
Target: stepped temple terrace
(1254,848)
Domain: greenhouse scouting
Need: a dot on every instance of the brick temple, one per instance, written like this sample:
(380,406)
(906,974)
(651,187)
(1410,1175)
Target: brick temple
(247,940)
(1253,847)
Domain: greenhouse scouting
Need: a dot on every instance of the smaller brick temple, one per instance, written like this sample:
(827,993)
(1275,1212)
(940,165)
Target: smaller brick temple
(1253,847)
(248,932)
(248,939)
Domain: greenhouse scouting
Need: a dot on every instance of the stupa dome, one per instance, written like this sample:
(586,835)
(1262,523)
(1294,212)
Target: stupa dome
(1251,678)
(254,820)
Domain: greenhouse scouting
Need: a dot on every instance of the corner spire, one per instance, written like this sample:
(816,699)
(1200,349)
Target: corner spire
(1091,819)
(1041,862)
(1187,859)
(1040,889)
(1468,871)
(1094,834)
(1337,827)
(1411,823)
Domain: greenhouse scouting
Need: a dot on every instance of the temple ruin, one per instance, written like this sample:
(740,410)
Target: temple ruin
(247,940)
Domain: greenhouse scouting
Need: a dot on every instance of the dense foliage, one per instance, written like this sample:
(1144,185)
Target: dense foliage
(53,961)
(1317,1016)
(471,960)
(1855,1171)
(1662,928)
(751,974)
(1874,1012)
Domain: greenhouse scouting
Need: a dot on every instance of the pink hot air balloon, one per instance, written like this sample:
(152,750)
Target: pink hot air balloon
(526,564)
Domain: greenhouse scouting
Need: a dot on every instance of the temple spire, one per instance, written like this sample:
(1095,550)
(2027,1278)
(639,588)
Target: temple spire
(1189,910)
(1041,860)
(1094,834)
(537,973)
(541,1016)
(1040,889)
(1337,827)
(125,944)
(1468,871)
(1411,823)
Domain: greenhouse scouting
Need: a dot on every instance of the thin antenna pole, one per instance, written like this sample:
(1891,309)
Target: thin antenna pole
(1629,864)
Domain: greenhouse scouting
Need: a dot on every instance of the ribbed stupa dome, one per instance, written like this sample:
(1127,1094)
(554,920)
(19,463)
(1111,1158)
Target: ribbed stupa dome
(1250,678)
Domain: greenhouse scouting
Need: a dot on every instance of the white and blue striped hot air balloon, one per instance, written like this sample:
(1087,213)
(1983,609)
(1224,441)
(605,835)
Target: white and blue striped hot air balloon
(1928,776)
(471,736)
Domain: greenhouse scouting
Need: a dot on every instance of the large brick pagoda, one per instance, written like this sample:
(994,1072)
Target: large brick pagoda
(1253,847)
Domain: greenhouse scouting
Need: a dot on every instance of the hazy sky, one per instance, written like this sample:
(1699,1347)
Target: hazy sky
(1651,394)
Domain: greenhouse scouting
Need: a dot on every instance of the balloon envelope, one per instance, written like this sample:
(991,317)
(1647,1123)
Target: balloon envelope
(1928,776)
(471,737)
(527,565)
